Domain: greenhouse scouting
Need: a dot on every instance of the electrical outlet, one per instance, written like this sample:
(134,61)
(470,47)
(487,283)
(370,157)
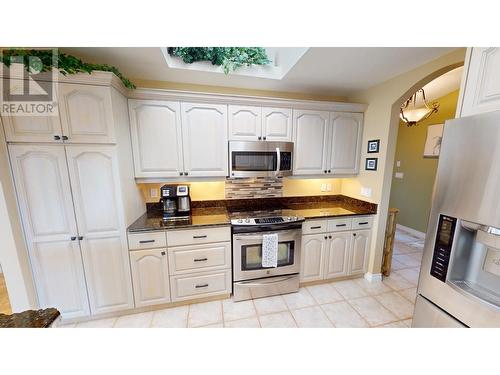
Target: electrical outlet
(399,175)
(323,187)
(328,187)
(366,192)
(398,163)
(153,193)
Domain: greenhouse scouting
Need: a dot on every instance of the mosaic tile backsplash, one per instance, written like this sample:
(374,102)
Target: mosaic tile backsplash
(258,187)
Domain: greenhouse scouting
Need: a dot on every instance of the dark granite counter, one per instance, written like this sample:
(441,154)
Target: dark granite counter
(30,319)
(206,217)
(219,212)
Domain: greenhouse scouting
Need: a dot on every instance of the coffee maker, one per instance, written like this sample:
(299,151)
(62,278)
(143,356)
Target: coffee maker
(176,202)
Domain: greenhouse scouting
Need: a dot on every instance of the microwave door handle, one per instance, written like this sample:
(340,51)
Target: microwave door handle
(278,161)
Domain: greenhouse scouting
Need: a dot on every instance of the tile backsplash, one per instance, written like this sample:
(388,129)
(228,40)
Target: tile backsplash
(258,187)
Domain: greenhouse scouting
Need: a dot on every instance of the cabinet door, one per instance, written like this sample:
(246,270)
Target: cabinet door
(310,133)
(277,124)
(312,257)
(31,129)
(359,252)
(44,195)
(245,123)
(150,277)
(86,113)
(155,128)
(99,214)
(345,135)
(482,88)
(204,137)
(337,258)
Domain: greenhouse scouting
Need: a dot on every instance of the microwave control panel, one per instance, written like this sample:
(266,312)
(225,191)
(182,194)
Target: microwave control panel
(442,247)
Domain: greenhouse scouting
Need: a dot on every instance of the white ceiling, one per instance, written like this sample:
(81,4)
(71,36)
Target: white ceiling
(322,71)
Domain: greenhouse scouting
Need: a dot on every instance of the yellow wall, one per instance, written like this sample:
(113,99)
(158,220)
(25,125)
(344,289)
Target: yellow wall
(381,122)
(202,191)
(413,193)
(233,90)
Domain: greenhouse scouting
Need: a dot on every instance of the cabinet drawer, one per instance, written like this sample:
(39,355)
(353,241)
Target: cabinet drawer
(363,222)
(196,258)
(196,236)
(148,240)
(314,226)
(336,225)
(200,285)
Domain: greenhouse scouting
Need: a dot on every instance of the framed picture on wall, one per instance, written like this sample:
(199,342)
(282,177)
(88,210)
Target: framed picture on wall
(432,146)
(371,164)
(373,146)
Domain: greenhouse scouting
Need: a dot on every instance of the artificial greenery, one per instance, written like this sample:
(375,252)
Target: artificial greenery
(230,58)
(66,64)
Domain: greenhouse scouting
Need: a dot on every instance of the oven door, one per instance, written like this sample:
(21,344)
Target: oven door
(247,255)
(260,159)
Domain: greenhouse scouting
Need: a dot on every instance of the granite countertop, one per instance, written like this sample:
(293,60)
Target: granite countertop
(218,213)
(29,319)
(207,217)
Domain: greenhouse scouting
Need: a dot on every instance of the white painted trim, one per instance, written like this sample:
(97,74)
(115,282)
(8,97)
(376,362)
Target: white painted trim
(189,96)
(371,277)
(411,231)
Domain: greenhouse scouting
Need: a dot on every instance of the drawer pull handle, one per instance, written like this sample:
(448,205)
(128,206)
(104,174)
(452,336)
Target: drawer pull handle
(201,260)
(146,241)
(201,286)
(317,227)
(340,225)
(204,236)
(363,223)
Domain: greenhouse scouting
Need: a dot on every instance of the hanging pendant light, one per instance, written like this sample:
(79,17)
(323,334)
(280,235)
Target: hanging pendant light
(411,114)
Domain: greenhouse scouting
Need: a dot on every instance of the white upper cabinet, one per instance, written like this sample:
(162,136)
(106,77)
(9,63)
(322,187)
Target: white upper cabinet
(277,124)
(359,252)
(204,139)
(310,133)
(482,85)
(150,275)
(245,123)
(44,196)
(345,135)
(97,200)
(156,138)
(32,128)
(86,113)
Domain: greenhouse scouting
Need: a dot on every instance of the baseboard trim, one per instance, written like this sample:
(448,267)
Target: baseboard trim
(371,277)
(411,231)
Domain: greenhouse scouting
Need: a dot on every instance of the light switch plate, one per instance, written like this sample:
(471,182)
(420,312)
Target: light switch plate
(328,187)
(366,192)
(398,163)
(153,193)
(323,187)
(399,175)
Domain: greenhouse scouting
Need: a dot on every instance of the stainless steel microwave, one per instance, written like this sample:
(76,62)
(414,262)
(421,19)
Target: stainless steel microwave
(260,159)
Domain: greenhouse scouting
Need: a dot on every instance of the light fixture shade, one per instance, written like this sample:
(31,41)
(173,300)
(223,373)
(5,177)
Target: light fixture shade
(411,114)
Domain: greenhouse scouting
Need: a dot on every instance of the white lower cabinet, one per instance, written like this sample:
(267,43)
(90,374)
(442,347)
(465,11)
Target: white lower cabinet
(312,257)
(336,253)
(150,277)
(359,252)
(185,287)
(337,258)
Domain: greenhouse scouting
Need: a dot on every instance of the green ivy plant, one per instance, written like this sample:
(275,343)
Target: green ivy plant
(66,64)
(230,58)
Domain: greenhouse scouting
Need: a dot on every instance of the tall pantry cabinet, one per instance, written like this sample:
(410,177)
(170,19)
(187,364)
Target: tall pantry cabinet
(71,192)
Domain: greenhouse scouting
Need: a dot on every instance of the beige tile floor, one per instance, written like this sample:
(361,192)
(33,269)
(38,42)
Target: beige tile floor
(4,297)
(349,303)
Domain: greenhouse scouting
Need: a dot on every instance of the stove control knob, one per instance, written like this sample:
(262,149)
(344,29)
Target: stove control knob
(240,221)
(289,218)
(247,220)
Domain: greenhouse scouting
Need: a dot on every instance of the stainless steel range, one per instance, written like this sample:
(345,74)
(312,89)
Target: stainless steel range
(250,278)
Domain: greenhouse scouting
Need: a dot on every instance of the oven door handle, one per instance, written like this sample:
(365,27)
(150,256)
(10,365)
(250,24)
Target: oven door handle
(278,161)
(253,236)
(271,280)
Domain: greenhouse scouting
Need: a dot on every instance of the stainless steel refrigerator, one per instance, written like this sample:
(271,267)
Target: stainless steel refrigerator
(459,284)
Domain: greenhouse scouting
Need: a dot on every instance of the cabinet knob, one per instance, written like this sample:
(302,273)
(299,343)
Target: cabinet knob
(326,237)
(354,234)
(325,171)
(73,238)
(264,138)
(181,173)
(80,238)
(57,138)
(330,237)
(65,138)
(185,173)
(163,253)
(329,171)
(260,138)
